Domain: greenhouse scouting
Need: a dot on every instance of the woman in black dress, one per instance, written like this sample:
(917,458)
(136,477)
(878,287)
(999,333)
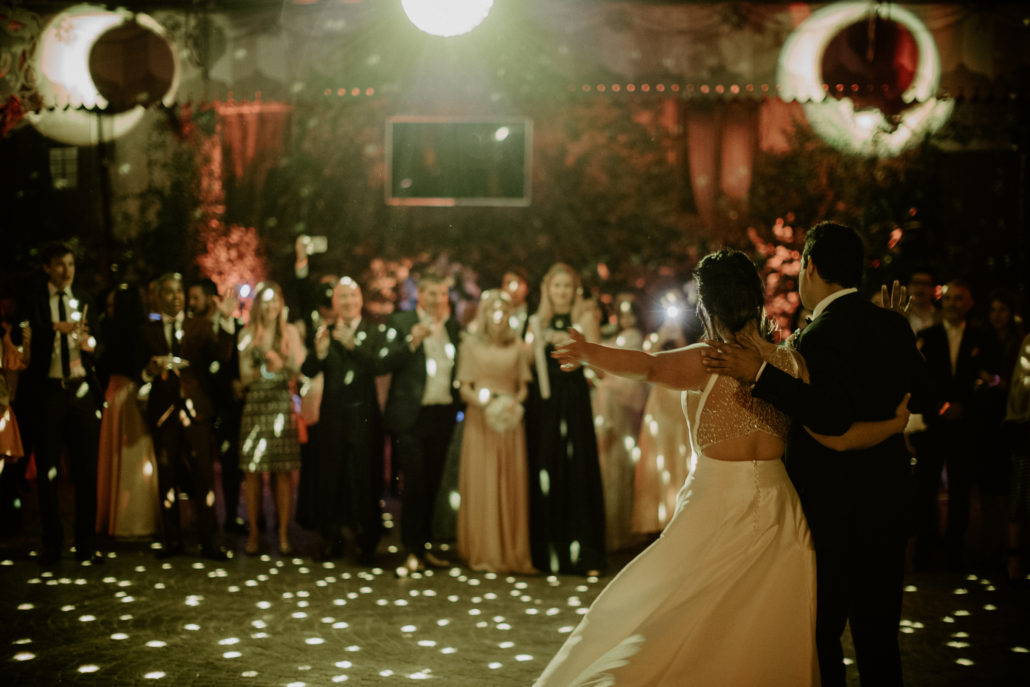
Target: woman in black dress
(566,498)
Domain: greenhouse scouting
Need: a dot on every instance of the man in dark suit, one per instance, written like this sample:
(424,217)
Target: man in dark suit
(177,355)
(205,303)
(348,465)
(962,359)
(862,360)
(66,400)
(421,409)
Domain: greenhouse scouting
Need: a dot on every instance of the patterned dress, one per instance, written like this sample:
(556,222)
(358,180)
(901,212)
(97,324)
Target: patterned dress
(268,429)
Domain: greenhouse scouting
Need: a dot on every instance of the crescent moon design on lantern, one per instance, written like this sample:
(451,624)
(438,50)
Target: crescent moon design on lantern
(63,80)
(862,131)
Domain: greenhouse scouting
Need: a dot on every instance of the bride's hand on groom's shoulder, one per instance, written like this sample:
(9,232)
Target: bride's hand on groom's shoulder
(731,359)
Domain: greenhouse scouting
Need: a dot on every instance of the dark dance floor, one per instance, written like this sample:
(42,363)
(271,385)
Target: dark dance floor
(290,621)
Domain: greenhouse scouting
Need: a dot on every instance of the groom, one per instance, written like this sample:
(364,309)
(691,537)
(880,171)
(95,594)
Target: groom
(862,360)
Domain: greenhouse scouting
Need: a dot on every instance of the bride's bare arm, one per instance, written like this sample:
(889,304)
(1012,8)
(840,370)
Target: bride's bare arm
(678,369)
(866,434)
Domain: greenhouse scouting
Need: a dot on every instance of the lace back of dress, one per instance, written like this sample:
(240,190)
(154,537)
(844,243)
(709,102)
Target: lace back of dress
(730,412)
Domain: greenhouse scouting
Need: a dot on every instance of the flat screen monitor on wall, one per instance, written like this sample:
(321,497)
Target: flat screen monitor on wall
(446,161)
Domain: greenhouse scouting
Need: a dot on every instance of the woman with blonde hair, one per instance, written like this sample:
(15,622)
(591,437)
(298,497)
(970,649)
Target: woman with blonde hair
(567,521)
(271,354)
(493,520)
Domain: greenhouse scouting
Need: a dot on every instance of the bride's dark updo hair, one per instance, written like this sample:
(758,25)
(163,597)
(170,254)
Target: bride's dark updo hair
(730,292)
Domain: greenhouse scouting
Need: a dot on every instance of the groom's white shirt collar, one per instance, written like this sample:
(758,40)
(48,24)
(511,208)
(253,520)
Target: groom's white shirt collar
(821,305)
(819,308)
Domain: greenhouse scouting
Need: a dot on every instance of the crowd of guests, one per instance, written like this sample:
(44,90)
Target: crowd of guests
(142,399)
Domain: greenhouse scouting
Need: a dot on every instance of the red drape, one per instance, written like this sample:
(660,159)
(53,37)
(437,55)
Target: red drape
(721,144)
(253,135)
(702,146)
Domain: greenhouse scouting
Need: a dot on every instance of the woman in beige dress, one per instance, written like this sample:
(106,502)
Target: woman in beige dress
(493,520)
(726,595)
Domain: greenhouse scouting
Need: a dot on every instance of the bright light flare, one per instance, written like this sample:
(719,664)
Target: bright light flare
(447,17)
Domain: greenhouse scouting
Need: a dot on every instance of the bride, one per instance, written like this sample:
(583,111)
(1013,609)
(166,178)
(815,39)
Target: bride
(726,595)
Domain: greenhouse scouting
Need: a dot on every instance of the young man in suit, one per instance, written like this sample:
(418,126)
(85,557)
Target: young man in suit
(206,304)
(961,358)
(176,357)
(348,465)
(66,401)
(862,360)
(421,408)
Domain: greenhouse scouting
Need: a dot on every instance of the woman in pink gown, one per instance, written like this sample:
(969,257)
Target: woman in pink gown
(726,595)
(127,498)
(493,368)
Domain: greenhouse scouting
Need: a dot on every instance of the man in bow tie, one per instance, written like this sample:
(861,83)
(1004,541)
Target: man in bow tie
(67,401)
(178,359)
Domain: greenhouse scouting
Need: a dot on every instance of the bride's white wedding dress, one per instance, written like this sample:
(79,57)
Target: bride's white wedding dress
(726,595)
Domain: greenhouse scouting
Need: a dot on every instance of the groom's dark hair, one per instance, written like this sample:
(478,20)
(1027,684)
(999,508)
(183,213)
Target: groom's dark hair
(838,253)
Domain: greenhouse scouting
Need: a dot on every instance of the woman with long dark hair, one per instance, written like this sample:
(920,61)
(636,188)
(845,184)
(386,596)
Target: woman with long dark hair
(127,498)
(735,566)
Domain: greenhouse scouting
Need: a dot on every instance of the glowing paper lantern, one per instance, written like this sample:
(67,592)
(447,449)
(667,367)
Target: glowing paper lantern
(62,62)
(862,129)
(447,17)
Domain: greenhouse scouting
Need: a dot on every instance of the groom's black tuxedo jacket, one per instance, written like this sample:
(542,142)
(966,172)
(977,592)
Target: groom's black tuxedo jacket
(862,359)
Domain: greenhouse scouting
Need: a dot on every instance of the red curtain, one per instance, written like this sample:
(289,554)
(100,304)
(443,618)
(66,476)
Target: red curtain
(702,144)
(253,135)
(721,144)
